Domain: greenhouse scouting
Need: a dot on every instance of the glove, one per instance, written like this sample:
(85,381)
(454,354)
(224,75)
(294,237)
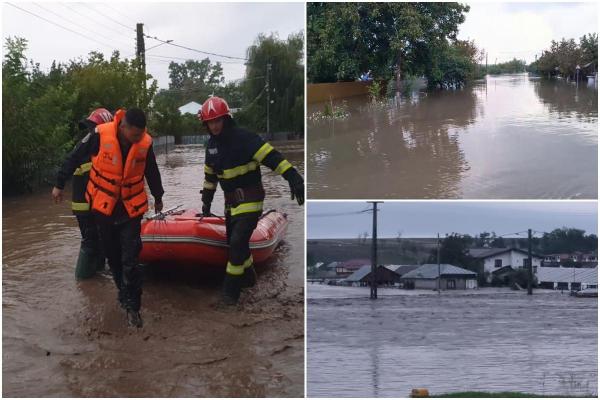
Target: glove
(206,209)
(297,189)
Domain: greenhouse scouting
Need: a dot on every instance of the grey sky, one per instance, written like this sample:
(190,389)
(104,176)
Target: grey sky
(223,28)
(426,218)
(522,30)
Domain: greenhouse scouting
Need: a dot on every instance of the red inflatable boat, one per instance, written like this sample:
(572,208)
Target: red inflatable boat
(186,238)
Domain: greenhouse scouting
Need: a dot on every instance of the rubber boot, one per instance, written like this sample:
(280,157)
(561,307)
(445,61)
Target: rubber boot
(86,265)
(249,277)
(134,319)
(232,285)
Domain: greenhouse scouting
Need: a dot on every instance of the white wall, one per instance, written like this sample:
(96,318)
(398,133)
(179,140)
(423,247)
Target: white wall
(513,258)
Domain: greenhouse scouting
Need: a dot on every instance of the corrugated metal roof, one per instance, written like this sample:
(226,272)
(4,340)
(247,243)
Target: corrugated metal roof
(583,275)
(430,271)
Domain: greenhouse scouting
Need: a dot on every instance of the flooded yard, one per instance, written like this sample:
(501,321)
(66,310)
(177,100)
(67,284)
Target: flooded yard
(510,136)
(478,340)
(61,338)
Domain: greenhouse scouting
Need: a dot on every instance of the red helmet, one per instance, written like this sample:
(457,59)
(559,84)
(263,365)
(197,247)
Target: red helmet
(100,116)
(213,108)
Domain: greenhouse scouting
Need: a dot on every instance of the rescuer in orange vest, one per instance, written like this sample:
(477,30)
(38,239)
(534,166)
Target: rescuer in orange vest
(122,156)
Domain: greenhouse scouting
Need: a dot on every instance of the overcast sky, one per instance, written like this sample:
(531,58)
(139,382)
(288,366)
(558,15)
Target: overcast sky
(522,30)
(426,218)
(223,28)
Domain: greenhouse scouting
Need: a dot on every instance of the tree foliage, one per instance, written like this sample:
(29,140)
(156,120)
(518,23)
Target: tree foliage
(562,58)
(286,86)
(391,39)
(510,67)
(41,110)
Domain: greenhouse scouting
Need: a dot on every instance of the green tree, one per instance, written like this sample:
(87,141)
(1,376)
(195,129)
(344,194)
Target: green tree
(195,80)
(391,39)
(286,86)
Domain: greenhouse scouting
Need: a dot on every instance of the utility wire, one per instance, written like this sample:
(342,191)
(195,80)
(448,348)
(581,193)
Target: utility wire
(339,214)
(61,26)
(195,50)
(110,18)
(188,58)
(72,22)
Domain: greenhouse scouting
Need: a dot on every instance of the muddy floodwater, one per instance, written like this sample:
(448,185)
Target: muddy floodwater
(510,136)
(62,338)
(478,340)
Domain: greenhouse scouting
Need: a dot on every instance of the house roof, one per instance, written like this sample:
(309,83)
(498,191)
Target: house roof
(364,271)
(430,271)
(490,252)
(403,269)
(559,274)
(355,263)
(190,108)
(359,274)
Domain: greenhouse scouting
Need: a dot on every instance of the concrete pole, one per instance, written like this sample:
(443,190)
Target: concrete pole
(530,275)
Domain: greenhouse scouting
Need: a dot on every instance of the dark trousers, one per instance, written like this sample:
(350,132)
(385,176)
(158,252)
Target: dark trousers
(122,244)
(239,230)
(90,241)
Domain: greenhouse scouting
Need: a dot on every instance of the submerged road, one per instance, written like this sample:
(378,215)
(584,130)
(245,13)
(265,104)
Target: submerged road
(67,339)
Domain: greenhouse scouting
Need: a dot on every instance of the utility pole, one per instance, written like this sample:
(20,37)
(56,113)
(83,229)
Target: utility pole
(439,266)
(374,252)
(141,52)
(486,64)
(268,101)
(530,275)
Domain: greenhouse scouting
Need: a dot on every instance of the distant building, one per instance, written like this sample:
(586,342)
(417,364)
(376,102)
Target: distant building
(495,261)
(567,278)
(576,259)
(190,108)
(363,277)
(193,107)
(402,269)
(452,277)
(346,268)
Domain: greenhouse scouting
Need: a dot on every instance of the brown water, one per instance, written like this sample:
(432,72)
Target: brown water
(508,137)
(478,340)
(62,338)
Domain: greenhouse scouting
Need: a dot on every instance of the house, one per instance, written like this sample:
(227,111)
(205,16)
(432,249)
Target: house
(362,277)
(346,268)
(452,277)
(567,278)
(190,108)
(575,259)
(403,269)
(493,261)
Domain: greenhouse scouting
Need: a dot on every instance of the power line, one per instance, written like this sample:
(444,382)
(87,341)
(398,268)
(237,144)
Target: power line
(109,18)
(72,9)
(71,21)
(195,50)
(188,58)
(61,26)
(339,214)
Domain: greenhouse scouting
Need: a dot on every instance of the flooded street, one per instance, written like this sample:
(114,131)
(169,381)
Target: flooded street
(67,339)
(511,136)
(478,340)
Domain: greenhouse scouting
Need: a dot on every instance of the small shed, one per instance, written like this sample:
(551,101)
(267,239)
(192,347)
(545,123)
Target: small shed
(451,278)
(363,277)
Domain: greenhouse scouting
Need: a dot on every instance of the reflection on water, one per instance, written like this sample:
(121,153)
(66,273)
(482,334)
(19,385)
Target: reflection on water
(485,340)
(507,137)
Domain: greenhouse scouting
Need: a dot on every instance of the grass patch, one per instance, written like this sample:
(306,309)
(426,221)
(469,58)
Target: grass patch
(496,394)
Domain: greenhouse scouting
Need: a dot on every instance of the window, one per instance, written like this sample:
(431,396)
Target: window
(450,284)
(498,263)
(526,263)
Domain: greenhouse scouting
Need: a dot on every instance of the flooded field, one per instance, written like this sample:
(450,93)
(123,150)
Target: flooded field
(510,136)
(488,340)
(68,339)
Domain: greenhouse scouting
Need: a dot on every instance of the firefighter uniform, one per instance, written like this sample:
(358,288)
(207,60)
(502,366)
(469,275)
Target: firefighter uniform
(233,160)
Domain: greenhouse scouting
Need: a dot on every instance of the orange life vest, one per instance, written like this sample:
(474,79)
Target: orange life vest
(110,182)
